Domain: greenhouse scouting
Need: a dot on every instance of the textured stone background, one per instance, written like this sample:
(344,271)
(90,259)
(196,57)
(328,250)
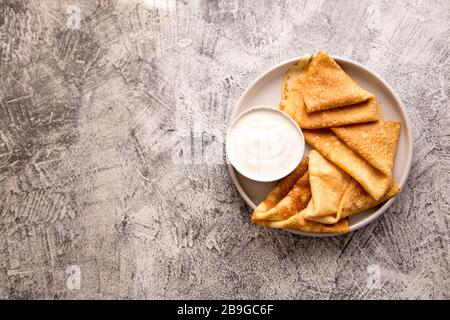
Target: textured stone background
(96,168)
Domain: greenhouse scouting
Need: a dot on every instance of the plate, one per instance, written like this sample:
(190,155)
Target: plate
(266,90)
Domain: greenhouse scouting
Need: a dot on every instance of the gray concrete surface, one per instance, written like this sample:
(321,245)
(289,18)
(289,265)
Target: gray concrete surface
(99,103)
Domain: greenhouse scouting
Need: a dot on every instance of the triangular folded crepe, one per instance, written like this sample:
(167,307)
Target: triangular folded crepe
(355,200)
(296,200)
(292,76)
(276,210)
(330,146)
(293,104)
(327,86)
(328,183)
(291,85)
(298,222)
(280,191)
(376,142)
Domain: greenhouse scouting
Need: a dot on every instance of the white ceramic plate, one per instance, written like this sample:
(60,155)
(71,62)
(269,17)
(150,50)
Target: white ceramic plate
(266,90)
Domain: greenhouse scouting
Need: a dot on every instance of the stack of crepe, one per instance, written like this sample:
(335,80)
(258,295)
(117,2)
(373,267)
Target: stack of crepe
(350,168)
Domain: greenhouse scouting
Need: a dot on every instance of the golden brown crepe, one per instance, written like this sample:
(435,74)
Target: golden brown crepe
(298,222)
(327,86)
(330,146)
(295,201)
(328,183)
(356,199)
(281,189)
(376,142)
(283,208)
(291,85)
(290,80)
(293,104)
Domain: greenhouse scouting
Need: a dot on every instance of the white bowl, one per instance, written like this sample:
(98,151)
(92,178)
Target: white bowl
(285,171)
(266,90)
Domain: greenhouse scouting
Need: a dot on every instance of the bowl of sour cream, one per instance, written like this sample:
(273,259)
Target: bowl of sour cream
(264,144)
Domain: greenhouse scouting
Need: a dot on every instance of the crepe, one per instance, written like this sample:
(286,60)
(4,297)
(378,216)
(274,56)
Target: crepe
(376,142)
(298,222)
(296,200)
(327,86)
(355,200)
(293,104)
(284,206)
(290,80)
(291,85)
(330,146)
(280,191)
(328,183)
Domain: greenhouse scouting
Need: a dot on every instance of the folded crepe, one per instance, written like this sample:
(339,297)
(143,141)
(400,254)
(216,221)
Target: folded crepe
(283,208)
(293,104)
(356,199)
(328,183)
(295,201)
(298,222)
(267,208)
(291,85)
(330,146)
(327,86)
(290,80)
(376,142)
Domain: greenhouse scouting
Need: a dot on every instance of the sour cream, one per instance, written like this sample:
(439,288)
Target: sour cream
(264,144)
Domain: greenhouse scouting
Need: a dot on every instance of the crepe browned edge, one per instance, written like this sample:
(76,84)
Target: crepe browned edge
(276,209)
(328,184)
(293,104)
(330,146)
(366,111)
(356,199)
(327,86)
(376,142)
(290,85)
(281,189)
(298,222)
(290,80)
(296,200)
